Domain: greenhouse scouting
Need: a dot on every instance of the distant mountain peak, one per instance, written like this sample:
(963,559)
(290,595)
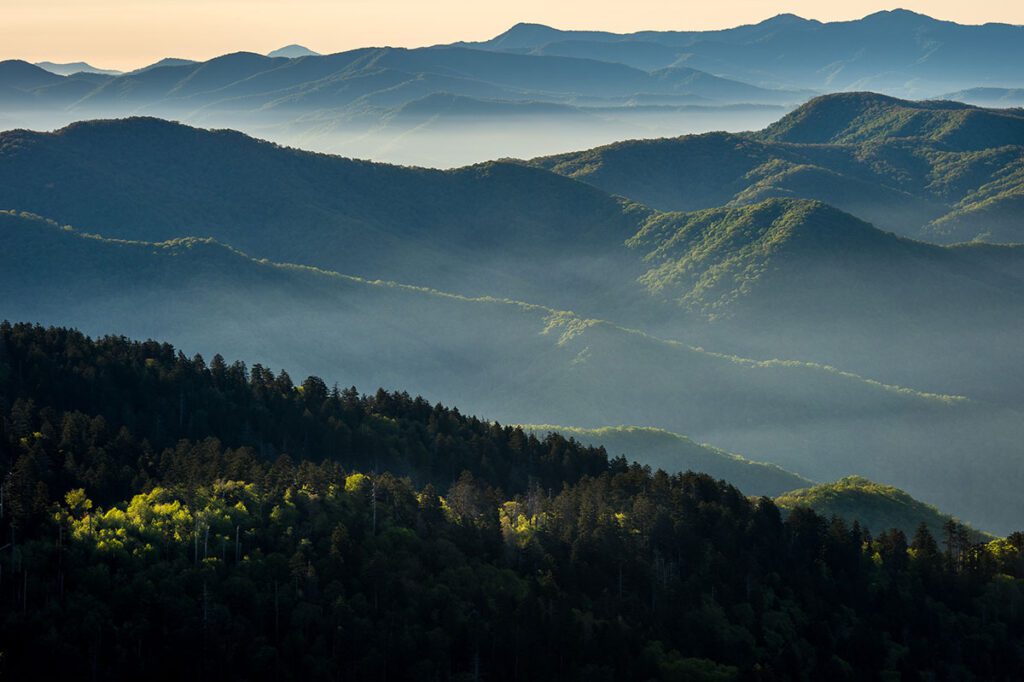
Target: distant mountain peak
(787,19)
(293,51)
(68,68)
(524,34)
(18,73)
(165,62)
(898,14)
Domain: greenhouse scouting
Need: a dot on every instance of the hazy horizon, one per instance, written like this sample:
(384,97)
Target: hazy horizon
(117,35)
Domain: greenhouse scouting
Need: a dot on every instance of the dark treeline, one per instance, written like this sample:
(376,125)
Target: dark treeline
(169,518)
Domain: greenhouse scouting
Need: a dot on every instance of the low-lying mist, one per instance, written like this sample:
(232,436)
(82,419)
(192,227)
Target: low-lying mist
(444,139)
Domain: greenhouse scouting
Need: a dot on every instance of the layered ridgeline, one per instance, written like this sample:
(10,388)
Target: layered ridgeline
(283,531)
(498,228)
(798,278)
(516,362)
(940,171)
(671,452)
(401,105)
(514,231)
(874,505)
(899,52)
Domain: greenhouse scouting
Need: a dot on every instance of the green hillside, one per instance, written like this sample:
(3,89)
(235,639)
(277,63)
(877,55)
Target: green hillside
(876,506)
(800,279)
(804,258)
(859,117)
(673,453)
(943,171)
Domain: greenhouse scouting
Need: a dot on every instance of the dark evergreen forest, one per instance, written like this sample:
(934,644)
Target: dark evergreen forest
(169,517)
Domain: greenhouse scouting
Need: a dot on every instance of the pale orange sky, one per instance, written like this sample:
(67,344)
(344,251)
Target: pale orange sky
(125,34)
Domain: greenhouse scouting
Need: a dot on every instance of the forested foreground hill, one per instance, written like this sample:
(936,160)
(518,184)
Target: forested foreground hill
(157,505)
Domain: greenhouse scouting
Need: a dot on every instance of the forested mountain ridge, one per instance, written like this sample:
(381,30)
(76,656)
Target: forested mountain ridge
(757,257)
(940,171)
(860,117)
(798,278)
(495,229)
(284,546)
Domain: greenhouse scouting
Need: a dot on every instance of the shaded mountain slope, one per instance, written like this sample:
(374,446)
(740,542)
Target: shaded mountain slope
(858,117)
(495,228)
(759,257)
(797,278)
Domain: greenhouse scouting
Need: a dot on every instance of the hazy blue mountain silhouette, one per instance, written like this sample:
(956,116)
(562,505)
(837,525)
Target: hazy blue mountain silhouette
(896,51)
(293,52)
(68,68)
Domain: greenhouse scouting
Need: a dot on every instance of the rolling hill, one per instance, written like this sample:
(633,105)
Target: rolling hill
(798,278)
(942,171)
(862,117)
(782,258)
(496,229)
(878,507)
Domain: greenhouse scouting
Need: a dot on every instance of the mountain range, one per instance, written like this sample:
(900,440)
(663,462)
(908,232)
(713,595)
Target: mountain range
(69,68)
(941,171)
(729,374)
(449,105)
(514,361)
(761,277)
(897,51)
(397,104)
